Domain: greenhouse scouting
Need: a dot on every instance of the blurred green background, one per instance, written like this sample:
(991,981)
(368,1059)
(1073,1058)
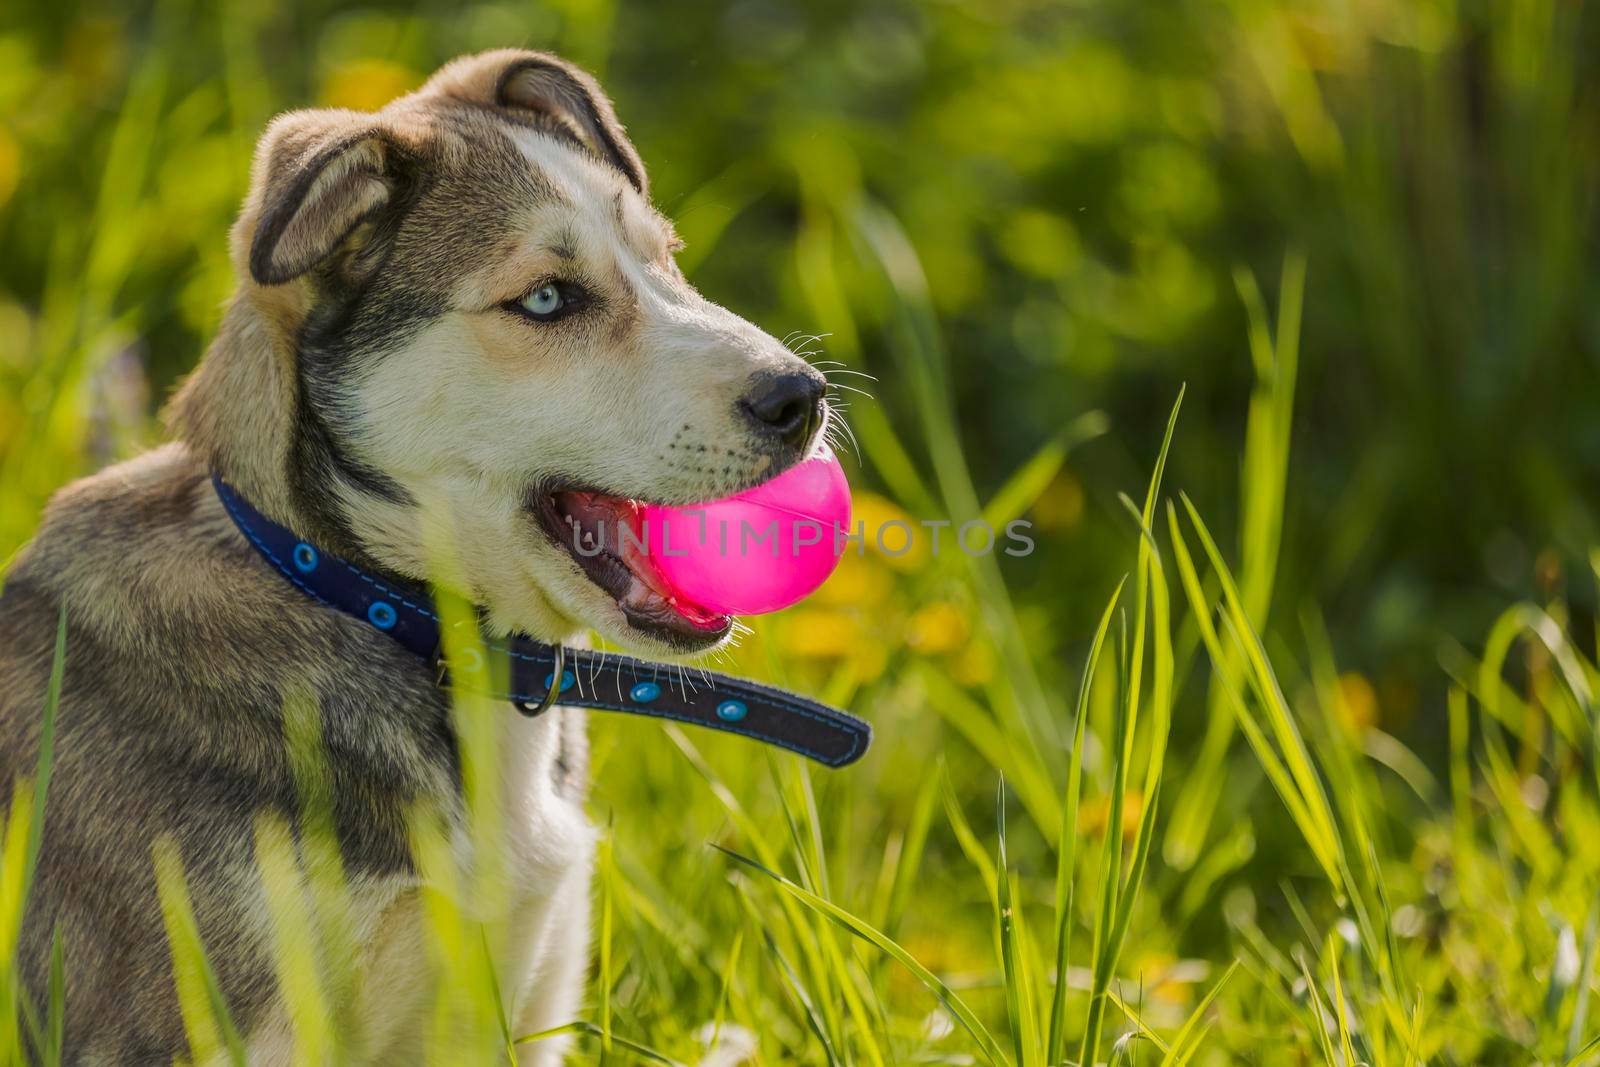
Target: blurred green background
(1094,196)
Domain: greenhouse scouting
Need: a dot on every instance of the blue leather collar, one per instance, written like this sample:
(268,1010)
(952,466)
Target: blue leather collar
(607,681)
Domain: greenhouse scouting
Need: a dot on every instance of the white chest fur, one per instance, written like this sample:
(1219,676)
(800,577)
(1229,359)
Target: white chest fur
(536,899)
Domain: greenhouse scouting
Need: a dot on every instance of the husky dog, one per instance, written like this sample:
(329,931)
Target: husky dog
(458,321)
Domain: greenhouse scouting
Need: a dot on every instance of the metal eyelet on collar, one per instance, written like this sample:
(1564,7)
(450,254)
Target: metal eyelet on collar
(533,711)
(470,658)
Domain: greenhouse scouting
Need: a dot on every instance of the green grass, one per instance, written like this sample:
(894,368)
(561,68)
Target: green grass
(1253,765)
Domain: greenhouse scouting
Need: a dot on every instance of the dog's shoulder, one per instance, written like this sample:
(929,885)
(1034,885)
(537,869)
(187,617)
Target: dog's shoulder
(102,544)
(115,544)
(183,648)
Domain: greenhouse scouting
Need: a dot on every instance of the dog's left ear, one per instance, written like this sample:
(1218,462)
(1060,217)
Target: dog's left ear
(323,180)
(556,95)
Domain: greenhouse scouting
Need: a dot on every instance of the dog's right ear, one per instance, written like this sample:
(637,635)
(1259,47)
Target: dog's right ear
(549,92)
(320,177)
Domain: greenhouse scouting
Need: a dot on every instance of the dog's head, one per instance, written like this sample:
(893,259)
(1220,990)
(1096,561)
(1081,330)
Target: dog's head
(489,331)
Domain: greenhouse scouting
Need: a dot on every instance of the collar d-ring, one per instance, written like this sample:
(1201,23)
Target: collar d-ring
(554,688)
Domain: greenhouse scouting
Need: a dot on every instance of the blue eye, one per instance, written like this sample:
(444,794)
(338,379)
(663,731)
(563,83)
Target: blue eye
(551,301)
(545,301)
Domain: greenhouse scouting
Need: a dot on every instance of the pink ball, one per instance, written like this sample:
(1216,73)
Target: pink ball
(759,550)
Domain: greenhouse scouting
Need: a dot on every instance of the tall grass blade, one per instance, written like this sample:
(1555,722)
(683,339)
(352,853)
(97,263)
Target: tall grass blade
(589,1029)
(295,956)
(1263,480)
(807,1002)
(1339,1002)
(1310,803)
(1014,954)
(56,1016)
(497,1001)
(947,997)
(1319,1019)
(1067,839)
(1233,689)
(1180,1050)
(1581,1058)
(921,355)
(1029,481)
(1580,1009)
(821,975)
(206,1019)
(970,846)
(1118,897)
(725,993)
(47,748)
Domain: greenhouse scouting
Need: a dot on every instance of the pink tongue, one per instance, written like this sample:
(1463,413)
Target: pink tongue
(608,515)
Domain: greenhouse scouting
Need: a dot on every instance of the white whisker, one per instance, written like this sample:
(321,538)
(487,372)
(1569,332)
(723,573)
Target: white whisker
(797,340)
(839,428)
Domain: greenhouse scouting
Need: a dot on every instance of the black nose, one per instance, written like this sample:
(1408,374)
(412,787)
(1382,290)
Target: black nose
(787,406)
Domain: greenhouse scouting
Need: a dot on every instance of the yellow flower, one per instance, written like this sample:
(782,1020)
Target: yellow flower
(946,949)
(937,627)
(973,664)
(1094,815)
(855,582)
(1358,703)
(819,633)
(1060,506)
(891,534)
(366,84)
(10,165)
(1172,979)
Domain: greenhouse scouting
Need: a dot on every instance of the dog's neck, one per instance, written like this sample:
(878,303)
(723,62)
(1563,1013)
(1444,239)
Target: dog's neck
(237,412)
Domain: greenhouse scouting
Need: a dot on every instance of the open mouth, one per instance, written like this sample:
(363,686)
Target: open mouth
(605,536)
